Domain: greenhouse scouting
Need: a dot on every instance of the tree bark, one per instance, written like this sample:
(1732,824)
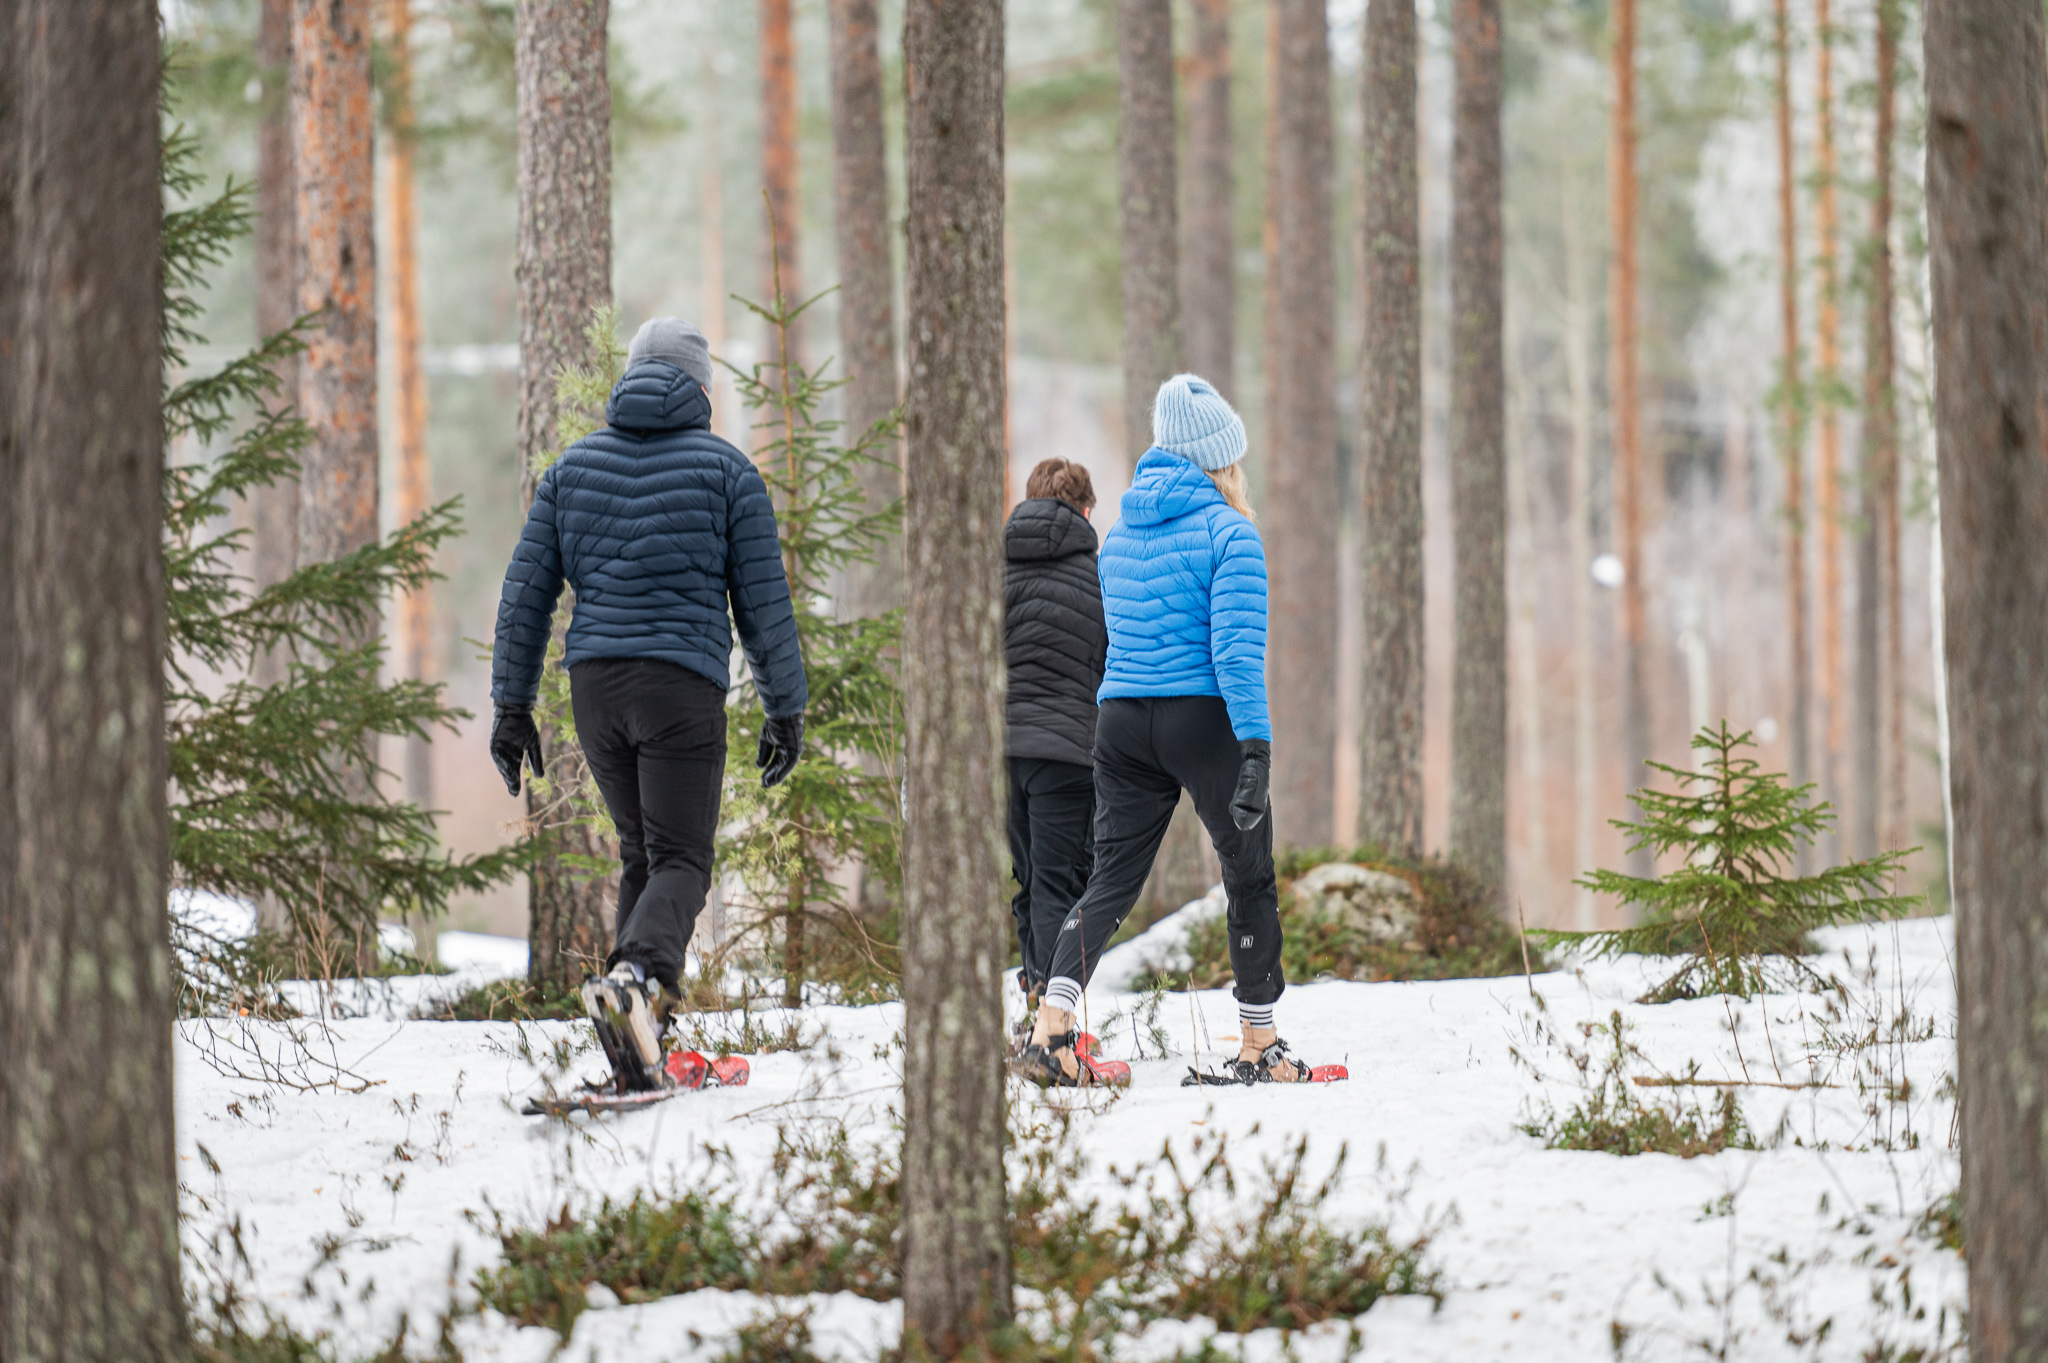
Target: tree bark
(415,479)
(1208,294)
(956,1249)
(565,276)
(1578,359)
(90,1241)
(1828,448)
(337,275)
(867,281)
(1145,191)
(1792,438)
(1479,708)
(1390,715)
(1880,799)
(1987,173)
(335,267)
(711,247)
(274,509)
(778,153)
(1301,411)
(1624,414)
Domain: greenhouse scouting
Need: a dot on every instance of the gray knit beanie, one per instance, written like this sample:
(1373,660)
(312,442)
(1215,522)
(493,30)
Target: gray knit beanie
(676,341)
(1191,419)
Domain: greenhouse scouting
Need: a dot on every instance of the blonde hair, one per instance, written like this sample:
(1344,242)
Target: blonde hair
(1229,481)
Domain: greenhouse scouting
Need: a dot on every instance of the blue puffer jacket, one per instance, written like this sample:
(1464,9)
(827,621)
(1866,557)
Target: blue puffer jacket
(656,523)
(1184,592)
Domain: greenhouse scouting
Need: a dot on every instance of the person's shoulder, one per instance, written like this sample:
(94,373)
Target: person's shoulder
(1230,527)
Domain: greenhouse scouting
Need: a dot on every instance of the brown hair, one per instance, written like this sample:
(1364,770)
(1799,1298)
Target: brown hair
(1063,479)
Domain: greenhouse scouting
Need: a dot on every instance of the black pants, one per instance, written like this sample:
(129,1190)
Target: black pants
(1052,848)
(1146,752)
(654,735)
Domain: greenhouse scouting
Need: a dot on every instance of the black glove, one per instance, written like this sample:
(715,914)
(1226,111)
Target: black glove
(1254,770)
(782,742)
(513,736)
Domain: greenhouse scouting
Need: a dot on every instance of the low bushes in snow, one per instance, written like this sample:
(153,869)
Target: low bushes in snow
(1190,1237)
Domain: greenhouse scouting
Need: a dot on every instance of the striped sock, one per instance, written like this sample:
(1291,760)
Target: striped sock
(1065,994)
(1258,1015)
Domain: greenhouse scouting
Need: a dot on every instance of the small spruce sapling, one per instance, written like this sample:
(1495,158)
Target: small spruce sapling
(840,803)
(272,787)
(1733,908)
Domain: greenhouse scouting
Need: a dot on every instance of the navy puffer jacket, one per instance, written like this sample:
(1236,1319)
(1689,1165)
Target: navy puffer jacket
(1053,635)
(657,524)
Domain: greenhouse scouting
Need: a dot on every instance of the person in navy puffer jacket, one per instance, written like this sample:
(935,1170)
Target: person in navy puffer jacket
(660,527)
(1183,706)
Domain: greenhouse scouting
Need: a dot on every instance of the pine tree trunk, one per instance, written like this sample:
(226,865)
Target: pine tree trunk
(1987,173)
(337,275)
(1145,190)
(415,482)
(1208,292)
(1880,723)
(1578,358)
(1390,715)
(1624,415)
(711,246)
(274,510)
(1828,448)
(335,266)
(565,275)
(1479,709)
(89,1258)
(1152,338)
(867,280)
(1792,425)
(778,152)
(956,1248)
(1301,408)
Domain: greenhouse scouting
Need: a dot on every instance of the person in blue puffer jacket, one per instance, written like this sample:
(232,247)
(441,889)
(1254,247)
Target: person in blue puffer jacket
(1183,707)
(661,527)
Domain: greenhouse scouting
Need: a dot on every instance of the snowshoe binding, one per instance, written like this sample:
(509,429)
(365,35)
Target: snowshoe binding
(681,1072)
(1274,1066)
(1041,1064)
(622,1008)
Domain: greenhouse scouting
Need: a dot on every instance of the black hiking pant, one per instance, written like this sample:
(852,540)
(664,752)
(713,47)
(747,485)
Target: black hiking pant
(1146,752)
(1052,848)
(654,736)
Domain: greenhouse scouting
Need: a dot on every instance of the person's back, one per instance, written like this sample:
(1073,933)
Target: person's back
(1054,644)
(660,527)
(1183,708)
(1184,595)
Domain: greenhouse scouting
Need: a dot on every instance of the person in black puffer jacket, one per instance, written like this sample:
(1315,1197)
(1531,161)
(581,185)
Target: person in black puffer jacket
(1056,645)
(660,527)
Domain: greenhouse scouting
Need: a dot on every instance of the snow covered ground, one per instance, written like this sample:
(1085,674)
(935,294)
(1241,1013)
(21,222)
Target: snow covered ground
(355,1207)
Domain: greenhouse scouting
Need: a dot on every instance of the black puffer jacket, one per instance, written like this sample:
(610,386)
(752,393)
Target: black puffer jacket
(1053,633)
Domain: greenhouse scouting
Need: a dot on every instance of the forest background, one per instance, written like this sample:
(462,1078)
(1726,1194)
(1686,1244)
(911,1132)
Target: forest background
(689,231)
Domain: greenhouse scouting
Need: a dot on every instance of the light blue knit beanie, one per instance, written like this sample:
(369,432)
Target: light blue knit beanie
(1191,419)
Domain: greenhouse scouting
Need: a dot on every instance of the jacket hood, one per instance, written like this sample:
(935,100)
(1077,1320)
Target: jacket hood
(1165,487)
(654,395)
(1046,528)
